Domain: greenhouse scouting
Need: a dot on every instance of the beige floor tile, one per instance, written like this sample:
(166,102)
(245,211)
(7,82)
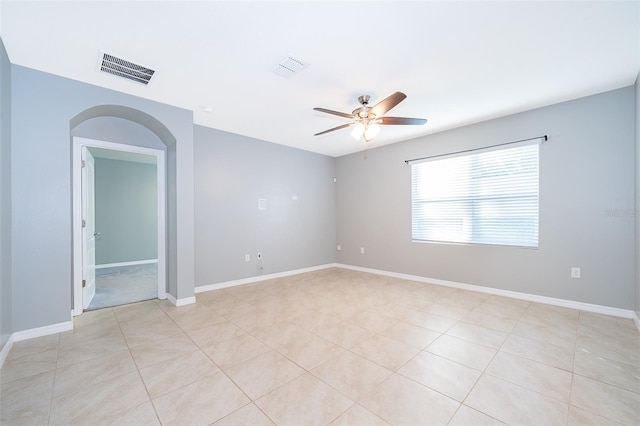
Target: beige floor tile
(549,334)
(464,299)
(263,373)
(401,401)
(505,401)
(447,311)
(410,334)
(447,377)
(461,351)
(90,404)
(310,351)
(607,401)
(193,317)
(256,320)
(28,365)
(597,325)
(203,402)
(549,381)
(371,321)
(344,334)
(314,320)
(615,373)
(91,318)
(580,417)
(466,416)
(174,373)
(491,320)
(546,317)
(34,346)
(304,401)
(431,321)
(93,371)
(358,415)
(26,401)
(114,342)
(627,351)
(162,350)
(280,334)
(135,311)
(150,333)
(236,350)
(142,415)
(249,415)
(84,335)
(478,334)
(385,351)
(217,333)
(351,374)
(546,353)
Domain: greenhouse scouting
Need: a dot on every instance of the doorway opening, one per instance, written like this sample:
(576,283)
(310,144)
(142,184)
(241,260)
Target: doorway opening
(119,223)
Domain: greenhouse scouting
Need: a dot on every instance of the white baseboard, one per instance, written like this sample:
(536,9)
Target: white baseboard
(4,353)
(32,333)
(181,302)
(259,278)
(606,310)
(636,319)
(132,263)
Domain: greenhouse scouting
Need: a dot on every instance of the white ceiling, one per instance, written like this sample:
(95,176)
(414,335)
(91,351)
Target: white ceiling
(458,62)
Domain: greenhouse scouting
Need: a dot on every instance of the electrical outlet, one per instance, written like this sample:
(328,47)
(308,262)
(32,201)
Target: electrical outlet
(247,258)
(575,272)
(338,247)
(259,256)
(361,250)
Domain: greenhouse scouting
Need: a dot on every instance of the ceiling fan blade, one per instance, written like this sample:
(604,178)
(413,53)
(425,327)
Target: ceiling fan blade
(401,120)
(329,111)
(386,104)
(335,128)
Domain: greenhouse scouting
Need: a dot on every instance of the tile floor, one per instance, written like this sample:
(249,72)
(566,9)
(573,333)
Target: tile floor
(330,347)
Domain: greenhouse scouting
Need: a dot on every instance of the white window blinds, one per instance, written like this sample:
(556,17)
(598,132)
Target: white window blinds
(484,197)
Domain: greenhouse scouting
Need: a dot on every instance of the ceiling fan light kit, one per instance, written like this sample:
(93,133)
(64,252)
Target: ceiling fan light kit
(367,120)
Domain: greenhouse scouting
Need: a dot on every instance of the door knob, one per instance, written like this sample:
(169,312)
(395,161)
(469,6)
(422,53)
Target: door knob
(96,234)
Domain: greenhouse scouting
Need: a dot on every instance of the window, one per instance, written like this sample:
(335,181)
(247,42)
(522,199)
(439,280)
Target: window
(484,197)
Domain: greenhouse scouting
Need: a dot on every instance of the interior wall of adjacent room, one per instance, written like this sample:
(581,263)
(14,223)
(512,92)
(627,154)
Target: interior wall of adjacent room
(126,211)
(586,193)
(6,303)
(637,195)
(42,109)
(295,231)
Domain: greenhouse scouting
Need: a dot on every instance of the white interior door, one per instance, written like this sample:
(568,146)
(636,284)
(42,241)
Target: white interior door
(88,229)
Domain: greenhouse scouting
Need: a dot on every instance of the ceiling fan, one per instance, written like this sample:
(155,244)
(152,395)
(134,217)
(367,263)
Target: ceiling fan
(366,119)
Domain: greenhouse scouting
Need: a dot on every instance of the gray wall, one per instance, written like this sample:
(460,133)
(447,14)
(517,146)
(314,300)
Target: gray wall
(586,185)
(637,195)
(43,106)
(126,211)
(231,173)
(6,305)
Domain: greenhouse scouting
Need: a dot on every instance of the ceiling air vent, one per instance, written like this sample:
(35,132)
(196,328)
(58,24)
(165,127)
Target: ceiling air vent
(125,69)
(288,67)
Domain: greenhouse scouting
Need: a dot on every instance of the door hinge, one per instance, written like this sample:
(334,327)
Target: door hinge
(84,223)
(83,164)
(84,283)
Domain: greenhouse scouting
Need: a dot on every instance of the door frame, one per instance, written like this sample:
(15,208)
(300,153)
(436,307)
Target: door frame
(161,187)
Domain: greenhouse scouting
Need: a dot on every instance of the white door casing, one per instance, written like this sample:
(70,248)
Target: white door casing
(78,145)
(88,228)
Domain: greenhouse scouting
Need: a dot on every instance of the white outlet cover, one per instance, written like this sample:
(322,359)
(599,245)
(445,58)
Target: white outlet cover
(262,203)
(575,272)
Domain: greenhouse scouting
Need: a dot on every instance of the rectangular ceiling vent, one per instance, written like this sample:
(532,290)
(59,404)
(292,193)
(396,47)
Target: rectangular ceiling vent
(288,67)
(125,69)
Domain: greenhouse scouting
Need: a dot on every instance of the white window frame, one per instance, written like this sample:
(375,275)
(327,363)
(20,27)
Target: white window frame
(449,212)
